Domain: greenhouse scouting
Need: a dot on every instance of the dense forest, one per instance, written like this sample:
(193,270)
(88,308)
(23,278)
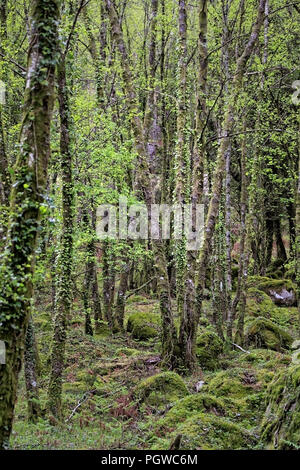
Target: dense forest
(150,224)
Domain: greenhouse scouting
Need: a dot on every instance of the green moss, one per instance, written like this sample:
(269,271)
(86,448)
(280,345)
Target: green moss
(209,347)
(263,333)
(264,283)
(258,303)
(209,432)
(74,387)
(188,406)
(129,352)
(265,358)
(103,329)
(234,383)
(280,426)
(143,326)
(161,389)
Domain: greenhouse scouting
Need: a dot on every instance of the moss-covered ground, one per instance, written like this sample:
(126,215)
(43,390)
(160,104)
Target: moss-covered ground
(117,396)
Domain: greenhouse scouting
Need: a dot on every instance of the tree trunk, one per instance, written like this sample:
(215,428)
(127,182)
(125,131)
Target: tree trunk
(31,366)
(65,256)
(27,194)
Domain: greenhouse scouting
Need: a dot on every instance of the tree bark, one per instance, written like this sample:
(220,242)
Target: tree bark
(63,300)
(27,195)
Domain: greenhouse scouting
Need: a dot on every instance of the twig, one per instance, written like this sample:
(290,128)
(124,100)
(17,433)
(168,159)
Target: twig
(239,347)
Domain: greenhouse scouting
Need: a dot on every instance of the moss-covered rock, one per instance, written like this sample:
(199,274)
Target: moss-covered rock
(143,326)
(234,383)
(264,358)
(280,428)
(281,291)
(161,389)
(263,333)
(258,303)
(209,348)
(188,406)
(210,432)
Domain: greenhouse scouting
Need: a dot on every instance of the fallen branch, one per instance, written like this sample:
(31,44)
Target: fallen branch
(85,397)
(139,288)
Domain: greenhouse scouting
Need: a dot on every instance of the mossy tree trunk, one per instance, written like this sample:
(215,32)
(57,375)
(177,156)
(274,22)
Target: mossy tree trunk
(4,174)
(243,233)
(297,244)
(27,195)
(108,271)
(119,312)
(63,299)
(188,326)
(31,369)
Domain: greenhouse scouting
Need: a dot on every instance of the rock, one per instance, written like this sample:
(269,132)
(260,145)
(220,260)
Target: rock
(263,333)
(143,326)
(161,389)
(199,385)
(234,383)
(205,431)
(281,291)
(209,347)
(258,303)
(296,357)
(283,297)
(296,345)
(280,427)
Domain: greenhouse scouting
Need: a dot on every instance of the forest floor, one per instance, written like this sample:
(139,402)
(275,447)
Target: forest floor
(103,410)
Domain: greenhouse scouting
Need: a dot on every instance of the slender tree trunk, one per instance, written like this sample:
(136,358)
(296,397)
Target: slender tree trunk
(27,194)
(108,271)
(243,209)
(65,256)
(189,324)
(281,252)
(4,174)
(31,366)
(121,296)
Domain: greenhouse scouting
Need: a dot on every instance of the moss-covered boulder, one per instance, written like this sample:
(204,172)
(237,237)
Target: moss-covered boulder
(209,348)
(258,303)
(161,389)
(263,333)
(190,405)
(143,326)
(296,352)
(210,432)
(281,291)
(280,428)
(233,383)
(264,359)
